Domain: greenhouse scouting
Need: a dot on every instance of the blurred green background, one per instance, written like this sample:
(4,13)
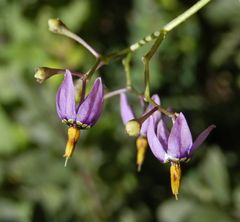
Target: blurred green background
(196,71)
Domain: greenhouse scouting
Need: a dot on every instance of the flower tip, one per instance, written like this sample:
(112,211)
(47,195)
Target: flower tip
(139,167)
(56,25)
(133,127)
(66,161)
(41,74)
(176,196)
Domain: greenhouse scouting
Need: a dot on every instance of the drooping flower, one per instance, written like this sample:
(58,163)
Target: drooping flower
(174,146)
(81,116)
(129,119)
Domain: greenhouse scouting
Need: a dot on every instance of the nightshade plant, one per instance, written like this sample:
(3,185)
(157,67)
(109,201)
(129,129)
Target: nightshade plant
(175,146)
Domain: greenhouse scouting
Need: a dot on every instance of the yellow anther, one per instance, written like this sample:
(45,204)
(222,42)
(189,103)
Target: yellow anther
(73,136)
(141,144)
(175,173)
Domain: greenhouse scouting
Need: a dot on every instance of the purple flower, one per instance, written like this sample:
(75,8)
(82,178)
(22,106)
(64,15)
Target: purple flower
(127,113)
(128,116)
(81,116)
(174,146)
(86,114)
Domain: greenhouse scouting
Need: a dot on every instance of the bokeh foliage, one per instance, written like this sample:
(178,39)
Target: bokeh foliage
(196,70)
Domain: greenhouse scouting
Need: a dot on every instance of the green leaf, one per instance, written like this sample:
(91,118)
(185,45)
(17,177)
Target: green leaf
(214,172)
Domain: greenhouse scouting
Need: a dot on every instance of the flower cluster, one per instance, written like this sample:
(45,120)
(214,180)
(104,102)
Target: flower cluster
(168,142)
(172,146)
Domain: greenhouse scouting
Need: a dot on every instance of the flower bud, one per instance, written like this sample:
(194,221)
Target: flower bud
(56,25)
(175,174)
(44,73)
(40,75)
(133,127)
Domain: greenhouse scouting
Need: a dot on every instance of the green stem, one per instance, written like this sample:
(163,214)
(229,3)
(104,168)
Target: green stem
(117,54)
(115,93)
(43,73)
(96,66)
(146,60)
(78,39)
(57,26)
(167,28)
(126,64)
(146,78)
(145,116)
(161,109)
(184,16)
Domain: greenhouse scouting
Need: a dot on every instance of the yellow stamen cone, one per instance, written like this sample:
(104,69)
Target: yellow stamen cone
(175,174)
(141,144)
(73,136)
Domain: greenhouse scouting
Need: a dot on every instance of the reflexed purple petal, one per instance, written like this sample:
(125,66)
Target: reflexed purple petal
(162,133)
(65,98)
(144,127)
(91,108)
(145,124)
(156,99)
(180,138)
(200,139)
(154,144)
(125,109)
(156,115)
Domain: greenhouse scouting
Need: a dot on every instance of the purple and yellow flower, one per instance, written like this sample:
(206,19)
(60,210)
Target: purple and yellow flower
(174,146)
(128,117)
(78,116)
